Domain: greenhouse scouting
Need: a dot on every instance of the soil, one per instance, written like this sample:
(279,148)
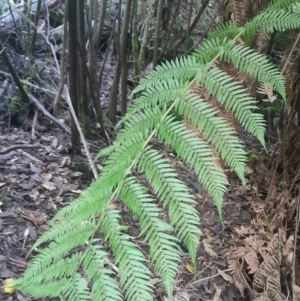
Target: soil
(35,183)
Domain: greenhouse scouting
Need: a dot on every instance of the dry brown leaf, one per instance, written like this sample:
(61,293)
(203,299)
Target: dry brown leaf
(208,249)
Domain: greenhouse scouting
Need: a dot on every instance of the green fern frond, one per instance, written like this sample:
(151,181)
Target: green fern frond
(280,4)
(104,288)
(245,60)
(271,20)
(134,275)
(166,108)
(256,65)
(236,99)
(181,69)
(133,123)
(88,204)
(198,155)
(227,30)
(59,247)
(174,194)
(158,93)
(77,289)
(52,289)
(216,130)
(164,253)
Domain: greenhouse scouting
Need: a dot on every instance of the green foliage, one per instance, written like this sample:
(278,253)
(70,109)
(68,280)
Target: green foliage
(163,96)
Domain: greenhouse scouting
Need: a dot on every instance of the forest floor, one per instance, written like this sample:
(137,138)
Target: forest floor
(35,183)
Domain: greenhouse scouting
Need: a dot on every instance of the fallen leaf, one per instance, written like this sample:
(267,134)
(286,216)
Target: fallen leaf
(49,185)
(9,286)
(35,169)
(225,276)
(76,174)
(217,296)
(190,268)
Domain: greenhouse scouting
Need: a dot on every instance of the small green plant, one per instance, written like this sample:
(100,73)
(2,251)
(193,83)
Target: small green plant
(72,262)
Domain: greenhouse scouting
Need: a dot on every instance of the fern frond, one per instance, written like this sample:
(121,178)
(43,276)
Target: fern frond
(158,94)
(77,289)
(245,60)
(164,252)
(198,155)
(216,130)
(174,194)
(181,69)
(271,20)
(56,249)
(142,123)
(280,4)
(67,218)
(134,275)
(104,287)
(226,30)
(236,99)
(51,289)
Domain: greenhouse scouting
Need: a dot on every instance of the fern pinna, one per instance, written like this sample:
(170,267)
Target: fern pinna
(72,263)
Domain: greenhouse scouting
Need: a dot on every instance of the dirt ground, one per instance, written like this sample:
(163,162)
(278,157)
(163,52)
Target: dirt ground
(35,183)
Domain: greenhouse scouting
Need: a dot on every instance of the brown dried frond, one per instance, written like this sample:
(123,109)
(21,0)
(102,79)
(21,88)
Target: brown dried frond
(274,287)
(289,246)
(277,242)
(267,270)
(252,260)
(244,231)
(288,254)
(208,249)
(258,245)
(237,9)
(278,219)
(243,10)
(236,268)
(291,210)
(266,90)
(262,297)
(296,293)
(201,91)
(261,42)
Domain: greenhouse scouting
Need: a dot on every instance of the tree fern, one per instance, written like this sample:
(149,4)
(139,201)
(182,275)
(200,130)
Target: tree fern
(165,107)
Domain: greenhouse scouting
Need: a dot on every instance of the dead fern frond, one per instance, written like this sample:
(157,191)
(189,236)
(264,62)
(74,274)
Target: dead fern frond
(236,266)
(266,90)
(296,292)
(267,270)
(208,249)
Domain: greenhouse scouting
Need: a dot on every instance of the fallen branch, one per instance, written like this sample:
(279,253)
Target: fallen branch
(18,146)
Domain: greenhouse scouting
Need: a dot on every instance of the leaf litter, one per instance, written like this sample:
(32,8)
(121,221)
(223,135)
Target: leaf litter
(34,186)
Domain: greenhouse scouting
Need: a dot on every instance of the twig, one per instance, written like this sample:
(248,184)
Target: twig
(30,156)
(46,113)
(34,122)
(69,102)
(18,146)
(210,277)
